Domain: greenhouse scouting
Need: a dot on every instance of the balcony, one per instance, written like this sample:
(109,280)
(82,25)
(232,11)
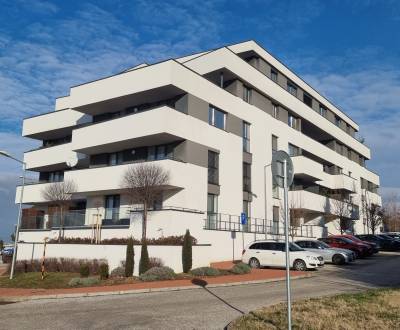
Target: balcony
(53,124)
(109,179)
(314,203)
(48,159)
(155,126)
(307,168)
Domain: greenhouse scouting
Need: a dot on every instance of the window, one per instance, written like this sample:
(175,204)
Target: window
(274,75)
(307,99)
(275,111)
(274,143)
(246,137)
(337,121)
(322,111)
(246,94)
(293,122)
(294,150)
(361,161)
(164,151)
(275,220)
(246,177)
(212,211)
(213,165)
(115,158)
(216,117)
(56,176)
(292,88)
(112,203)
(246,208)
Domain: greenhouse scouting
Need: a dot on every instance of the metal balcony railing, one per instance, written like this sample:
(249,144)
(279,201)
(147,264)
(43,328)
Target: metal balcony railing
(228,222)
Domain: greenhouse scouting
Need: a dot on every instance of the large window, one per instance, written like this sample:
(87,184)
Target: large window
(322,110)
(246,94)
(216,117)
(294,150)
(56,176)
(274,75)
(293,122)
(212,211)
(213,166)
(292,88)
(307,99)
(337,121)
(246,137)
(275,190)
(112,203)
(275,111)
(246,177)
(164,151)
(274,143)
(115,158)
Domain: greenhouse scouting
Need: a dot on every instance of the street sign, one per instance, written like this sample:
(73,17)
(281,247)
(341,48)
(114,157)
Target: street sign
(278,159)
(243,218)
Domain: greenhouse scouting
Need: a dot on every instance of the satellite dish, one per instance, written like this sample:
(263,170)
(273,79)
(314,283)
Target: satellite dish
(72,160)
(278,159)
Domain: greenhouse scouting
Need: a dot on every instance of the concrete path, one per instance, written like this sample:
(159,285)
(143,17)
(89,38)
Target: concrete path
(194,309)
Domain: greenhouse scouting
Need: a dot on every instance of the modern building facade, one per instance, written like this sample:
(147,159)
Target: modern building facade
(213,120)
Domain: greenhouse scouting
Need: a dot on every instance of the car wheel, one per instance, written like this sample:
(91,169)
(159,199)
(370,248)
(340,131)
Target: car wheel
(299,265)
(338,259)
(254,263)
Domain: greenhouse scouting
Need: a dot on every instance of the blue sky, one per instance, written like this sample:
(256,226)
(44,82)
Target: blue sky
(348,50)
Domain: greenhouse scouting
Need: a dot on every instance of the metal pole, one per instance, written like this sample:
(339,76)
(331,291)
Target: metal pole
(285,186)
(265,198)
(18,222)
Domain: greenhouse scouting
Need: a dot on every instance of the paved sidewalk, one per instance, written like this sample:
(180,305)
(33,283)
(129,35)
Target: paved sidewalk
(256,276)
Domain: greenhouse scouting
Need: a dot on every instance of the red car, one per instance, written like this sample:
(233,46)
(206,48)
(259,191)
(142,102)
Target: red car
(361,250)
(373,246)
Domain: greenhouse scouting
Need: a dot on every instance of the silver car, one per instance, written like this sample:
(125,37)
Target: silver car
(331,255)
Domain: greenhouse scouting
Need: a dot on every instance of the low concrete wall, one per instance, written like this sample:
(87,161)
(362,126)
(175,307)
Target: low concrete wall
(114,254)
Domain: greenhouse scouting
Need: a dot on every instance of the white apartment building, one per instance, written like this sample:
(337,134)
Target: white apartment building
(213,120)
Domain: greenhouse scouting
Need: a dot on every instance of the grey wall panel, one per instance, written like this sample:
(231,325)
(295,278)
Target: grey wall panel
(213,189)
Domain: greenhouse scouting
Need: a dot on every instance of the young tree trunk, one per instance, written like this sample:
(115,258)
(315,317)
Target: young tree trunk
(144,225)
(61,224)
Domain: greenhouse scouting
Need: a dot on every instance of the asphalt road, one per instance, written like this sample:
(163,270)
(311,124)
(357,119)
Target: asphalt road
(194,309)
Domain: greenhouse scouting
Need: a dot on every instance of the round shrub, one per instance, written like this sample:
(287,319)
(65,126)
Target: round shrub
(87,281)
(118,272)
(205,271)
(241,268)
(103,271)
(84,270)
(158,274)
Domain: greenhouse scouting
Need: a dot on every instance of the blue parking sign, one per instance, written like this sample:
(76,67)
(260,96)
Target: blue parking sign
(243,218)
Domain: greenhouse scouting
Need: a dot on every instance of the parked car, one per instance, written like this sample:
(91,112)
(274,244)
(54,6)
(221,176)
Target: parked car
(6,254)
(394,235)
(373,245)
(272,254)
(336,256)
(361,250)
(385,243)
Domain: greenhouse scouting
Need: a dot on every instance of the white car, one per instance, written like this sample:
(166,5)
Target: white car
(272,254)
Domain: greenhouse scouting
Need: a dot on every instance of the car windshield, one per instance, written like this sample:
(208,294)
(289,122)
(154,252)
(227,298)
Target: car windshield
(324,245)
(295,247)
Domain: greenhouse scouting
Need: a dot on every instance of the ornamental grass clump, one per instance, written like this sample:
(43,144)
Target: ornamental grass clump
(158,274)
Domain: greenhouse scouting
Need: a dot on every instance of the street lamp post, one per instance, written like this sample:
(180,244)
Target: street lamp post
(14,258)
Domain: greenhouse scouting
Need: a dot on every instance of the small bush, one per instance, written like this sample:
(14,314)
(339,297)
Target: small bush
(87,281)
(144,260)
(158,274)
(84,270)
(241,268)
(118,272)
(130,258)
(155,262)
(104,271)
(205,271)
(187,252)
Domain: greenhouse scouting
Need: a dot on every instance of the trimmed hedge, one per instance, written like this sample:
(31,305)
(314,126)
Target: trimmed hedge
(158,274)
(168,240)
(205,271)
(187,252)
(240,268)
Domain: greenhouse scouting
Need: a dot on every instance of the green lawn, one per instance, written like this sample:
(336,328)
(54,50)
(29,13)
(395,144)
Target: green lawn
(375,309)
(33,280)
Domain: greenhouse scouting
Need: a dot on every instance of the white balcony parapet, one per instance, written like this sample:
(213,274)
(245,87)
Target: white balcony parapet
(47,157)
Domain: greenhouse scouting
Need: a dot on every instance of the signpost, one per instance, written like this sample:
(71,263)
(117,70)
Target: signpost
(282,173)
(243,221)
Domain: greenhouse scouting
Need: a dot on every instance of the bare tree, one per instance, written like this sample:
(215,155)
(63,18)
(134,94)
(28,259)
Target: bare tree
(60,193)
(341,208)
(296,215)
(145,183)
(391,213)
(372,213)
